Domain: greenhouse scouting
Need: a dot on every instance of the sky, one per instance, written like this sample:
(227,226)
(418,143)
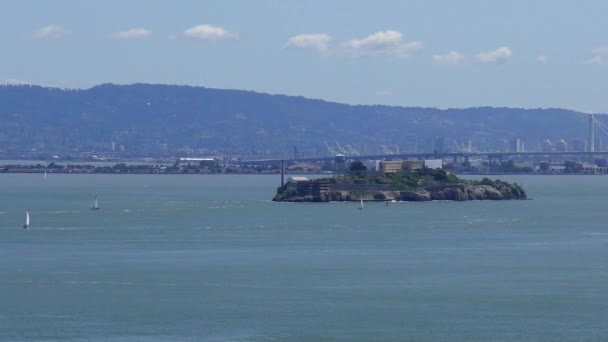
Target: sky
(431,53)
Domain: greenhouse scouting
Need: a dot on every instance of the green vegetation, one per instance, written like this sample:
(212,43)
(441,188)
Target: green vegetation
(573,167)
(283,193)
(419,185)
(357,166)
(378,196)
(401,181)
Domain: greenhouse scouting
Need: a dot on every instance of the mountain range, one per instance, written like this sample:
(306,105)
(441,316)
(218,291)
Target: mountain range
(148,119)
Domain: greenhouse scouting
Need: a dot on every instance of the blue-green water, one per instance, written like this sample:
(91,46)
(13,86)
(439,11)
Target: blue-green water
(189,258)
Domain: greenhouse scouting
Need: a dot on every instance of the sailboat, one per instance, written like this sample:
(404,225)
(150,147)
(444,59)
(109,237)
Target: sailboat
(45,174)
(27,220)
(95,204)
(361,207)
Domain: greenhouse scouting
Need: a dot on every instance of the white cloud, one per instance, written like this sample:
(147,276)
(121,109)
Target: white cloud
(317,41)
(452,57)
(600,51)
(542,59)
(597,60)
(388,43)
(134,33)
(499,55)
(51,31)
(209,32)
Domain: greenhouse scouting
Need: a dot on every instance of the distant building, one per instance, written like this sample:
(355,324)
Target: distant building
(372,165)
(339,164)
(411,165)
(517,145)
(579,145)
(304,187)
(390,166)
(590,168)
(527,164)
(197,160)
(297,184)
(556,168)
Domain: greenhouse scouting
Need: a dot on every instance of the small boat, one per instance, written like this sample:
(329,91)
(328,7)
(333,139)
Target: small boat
(45,174)
(27,220)
(95,204)
(361,206)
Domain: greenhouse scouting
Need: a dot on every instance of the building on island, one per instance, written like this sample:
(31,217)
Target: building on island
(297,184)
(303,187)
(412,165)
(392,166)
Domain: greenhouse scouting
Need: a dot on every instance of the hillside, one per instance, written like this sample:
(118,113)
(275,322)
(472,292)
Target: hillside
(163,119)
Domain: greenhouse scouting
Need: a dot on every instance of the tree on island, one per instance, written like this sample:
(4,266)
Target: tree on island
(357,166)
(573,167)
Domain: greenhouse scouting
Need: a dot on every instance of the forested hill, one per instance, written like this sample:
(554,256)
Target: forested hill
(150,118)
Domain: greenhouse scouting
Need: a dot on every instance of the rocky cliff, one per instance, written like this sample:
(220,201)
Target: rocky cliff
(434,185)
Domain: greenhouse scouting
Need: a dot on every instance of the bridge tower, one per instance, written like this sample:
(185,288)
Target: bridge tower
(591,133)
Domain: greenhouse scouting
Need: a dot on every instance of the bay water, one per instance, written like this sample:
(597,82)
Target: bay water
(211,258)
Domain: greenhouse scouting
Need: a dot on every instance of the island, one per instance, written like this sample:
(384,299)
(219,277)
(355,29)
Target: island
(424,184)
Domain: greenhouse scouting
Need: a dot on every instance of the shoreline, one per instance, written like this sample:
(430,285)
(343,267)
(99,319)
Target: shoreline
(72,172)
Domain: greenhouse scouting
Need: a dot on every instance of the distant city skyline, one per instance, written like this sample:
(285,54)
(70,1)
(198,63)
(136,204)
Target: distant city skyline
(407,53)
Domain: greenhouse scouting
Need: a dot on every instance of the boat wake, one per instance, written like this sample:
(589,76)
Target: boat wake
(43,316)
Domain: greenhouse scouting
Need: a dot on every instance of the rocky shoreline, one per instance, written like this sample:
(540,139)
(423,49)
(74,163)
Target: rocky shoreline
(427,189)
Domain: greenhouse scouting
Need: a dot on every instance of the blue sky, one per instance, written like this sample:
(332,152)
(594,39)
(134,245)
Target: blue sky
(411,53)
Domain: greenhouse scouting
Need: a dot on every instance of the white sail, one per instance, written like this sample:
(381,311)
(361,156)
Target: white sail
(361,207)
(95,204)
(27,219)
